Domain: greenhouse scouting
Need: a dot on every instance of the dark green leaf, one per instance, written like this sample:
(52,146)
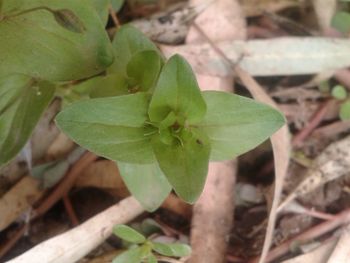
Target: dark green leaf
(185,162)
(133,255)
(44,48)
(177,90)
(127,42)
(146,182)
(117,5)
(67,19)
(344,113)
(341,21)
(172,250)
(22,101)
(236,124)
(111,127)
(128,234)
(143,68)
(339,92)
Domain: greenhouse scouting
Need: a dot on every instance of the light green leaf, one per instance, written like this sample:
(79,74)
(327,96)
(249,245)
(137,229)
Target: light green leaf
(98,87)
(146,182)
(133,255)
(117,5)
(185,162)
(172,250)
(108,86)
(177,90)
(339,92)
(344,113)
(127,42)
(111,127)
(152,259)
(101,7)
(128,234)
(35,44)
(236,124)
(143,68)
(341,21)
(22,101)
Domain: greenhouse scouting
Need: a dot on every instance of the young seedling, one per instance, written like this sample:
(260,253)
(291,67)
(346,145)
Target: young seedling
(164,131)
(145,250)
(340,93)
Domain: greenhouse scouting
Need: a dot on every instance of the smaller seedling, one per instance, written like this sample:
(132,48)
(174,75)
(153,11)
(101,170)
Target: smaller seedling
(145,250)
(341,22)
(340,93)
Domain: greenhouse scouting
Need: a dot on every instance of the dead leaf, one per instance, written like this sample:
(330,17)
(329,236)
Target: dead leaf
(281,151)
(331,164)
(319,255)
(305,55)
(258,7)
(18,200)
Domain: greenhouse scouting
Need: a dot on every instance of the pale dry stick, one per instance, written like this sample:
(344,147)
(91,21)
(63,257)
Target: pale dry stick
(313,233)
(280,142)
(341,252)
(74,244)
(213,211)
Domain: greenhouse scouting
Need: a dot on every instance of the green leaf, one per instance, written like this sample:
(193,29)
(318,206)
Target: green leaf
(146,182)
(177,90)
(31,34)
(22,101)
(107,86)
(97,87)
(236,124)
(172,250)
(185,163)
(143,68)
(344,113)
(101,7)
(341,21)
(127,42)
(112,127)
(128,234)
(152,259)
(339,92)
(117,5)
(133,255)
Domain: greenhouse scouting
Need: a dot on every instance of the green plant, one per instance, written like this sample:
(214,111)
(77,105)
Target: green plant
(341,94)
(143,250)
(142,111)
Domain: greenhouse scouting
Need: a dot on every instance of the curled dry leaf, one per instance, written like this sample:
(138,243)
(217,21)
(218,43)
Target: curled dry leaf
(319,255)
(331,164)
(281,149)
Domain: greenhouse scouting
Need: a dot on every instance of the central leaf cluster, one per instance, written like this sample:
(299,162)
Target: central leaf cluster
(151,117)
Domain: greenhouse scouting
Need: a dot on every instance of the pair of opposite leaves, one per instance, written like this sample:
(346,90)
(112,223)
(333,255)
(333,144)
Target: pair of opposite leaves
(177,129)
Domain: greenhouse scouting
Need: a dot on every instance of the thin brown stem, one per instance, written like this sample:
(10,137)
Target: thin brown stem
(70,210)
(114,17)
